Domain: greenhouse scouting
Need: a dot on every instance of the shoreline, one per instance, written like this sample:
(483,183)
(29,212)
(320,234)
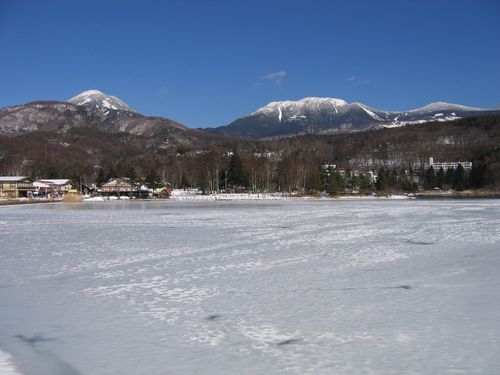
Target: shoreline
(24,201)
(271,197)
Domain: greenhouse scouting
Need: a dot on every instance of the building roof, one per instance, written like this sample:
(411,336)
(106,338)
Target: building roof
(118,181)
(60,181)
(41,184)
(13,178)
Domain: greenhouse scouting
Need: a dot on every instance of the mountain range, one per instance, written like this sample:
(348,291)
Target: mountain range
(96,134)
(329,115)
(313,115)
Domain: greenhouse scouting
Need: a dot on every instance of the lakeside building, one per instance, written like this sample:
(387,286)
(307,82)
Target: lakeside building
(16,187)
(118,186)
(447,164)
(121,186)
(46,187)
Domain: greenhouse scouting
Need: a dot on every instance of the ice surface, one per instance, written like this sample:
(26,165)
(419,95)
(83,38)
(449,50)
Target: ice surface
(268,287)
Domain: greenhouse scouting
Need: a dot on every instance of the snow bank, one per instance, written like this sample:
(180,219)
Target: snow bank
(229,197)
(7,366)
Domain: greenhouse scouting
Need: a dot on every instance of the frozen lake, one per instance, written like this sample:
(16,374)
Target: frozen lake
(307,287)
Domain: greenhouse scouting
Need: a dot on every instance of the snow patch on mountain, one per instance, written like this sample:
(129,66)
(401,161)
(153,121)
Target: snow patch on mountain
(370,113)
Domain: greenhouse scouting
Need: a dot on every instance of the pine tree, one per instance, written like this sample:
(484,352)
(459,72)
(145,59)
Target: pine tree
(184,182)
(449,177)
(430,179)
(100,179)
(459,182)
(383,180)
(235,174)
(133,177)
(335,183)
(365,184)
(440,178)
(394,179)
(481,175)
(153,180)
(110,174)
(489,177)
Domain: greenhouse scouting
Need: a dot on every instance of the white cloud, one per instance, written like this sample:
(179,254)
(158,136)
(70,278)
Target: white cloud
(275,77)
(163,91)
(358,81)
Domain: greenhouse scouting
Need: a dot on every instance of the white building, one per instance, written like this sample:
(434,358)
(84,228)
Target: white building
(447,164)
(49,186)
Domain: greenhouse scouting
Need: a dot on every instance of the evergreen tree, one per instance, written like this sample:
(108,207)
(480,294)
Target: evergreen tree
(335,183)
(184,182)
(383,180)
(489,177)
(481,175)
(101,178)
(477,176)
(449,177)
(153,180)
(430,179)
(222,180)
(110,174)
(235,174)
(314,182)
(352,182)
(459,182)
(365,184)
(440,178)
(133,177)
(394,178)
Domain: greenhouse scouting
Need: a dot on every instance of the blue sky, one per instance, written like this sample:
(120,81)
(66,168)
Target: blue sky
(205,63)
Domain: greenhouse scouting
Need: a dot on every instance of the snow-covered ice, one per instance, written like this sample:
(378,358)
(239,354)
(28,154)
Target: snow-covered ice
(263,287)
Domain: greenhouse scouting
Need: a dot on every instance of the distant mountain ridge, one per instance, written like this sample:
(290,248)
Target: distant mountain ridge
(329,115)
(312,115)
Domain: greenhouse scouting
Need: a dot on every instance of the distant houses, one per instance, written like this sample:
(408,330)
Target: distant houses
(14,187)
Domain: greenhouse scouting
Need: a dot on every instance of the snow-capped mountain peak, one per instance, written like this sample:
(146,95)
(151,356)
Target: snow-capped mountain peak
(305,103)
(100,100)
(443,106)
(298,109)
